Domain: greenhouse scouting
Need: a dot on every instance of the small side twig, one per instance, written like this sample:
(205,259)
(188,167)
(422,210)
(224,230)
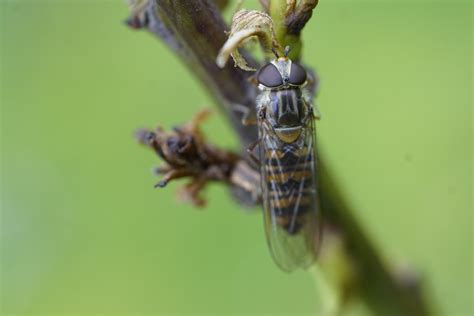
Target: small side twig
(186,154)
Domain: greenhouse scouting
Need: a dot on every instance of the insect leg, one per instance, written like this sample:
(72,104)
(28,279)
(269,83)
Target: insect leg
(316,112)
(250,151)
(313,108)
(248,116)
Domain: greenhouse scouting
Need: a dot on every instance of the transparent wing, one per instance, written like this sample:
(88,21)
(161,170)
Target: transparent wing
(291,201)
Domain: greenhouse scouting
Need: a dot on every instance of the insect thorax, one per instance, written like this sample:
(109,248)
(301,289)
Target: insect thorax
(285,111)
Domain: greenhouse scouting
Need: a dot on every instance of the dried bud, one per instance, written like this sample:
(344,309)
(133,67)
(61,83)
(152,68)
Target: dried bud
(187,154)
(247,25)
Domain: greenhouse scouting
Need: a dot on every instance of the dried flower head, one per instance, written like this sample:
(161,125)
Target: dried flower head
(247,25)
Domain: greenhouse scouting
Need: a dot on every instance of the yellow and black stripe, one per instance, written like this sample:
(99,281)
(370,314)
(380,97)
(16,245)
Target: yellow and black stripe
(290,184)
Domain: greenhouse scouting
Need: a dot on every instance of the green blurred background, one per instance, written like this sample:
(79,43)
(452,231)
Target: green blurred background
(84,232)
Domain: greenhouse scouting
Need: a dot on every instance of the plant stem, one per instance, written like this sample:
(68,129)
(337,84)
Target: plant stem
(329,295)
(384,292)
(277,12)
(195,30)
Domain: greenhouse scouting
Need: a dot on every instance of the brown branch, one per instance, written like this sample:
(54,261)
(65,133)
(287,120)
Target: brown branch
(194,30)
(222,4)
(297,17)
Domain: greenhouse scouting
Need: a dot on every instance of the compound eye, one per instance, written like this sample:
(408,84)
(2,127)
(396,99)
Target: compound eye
(297,74)
(269,76)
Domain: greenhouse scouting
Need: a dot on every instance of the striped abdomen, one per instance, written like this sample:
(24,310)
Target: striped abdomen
(290,184)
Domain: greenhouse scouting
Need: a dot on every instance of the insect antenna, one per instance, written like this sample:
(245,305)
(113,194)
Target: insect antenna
(287,51)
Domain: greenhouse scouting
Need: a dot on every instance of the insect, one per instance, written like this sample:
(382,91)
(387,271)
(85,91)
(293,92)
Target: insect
(288,164)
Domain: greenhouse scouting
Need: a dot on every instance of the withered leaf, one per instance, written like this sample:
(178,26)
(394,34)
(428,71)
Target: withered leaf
(247,25)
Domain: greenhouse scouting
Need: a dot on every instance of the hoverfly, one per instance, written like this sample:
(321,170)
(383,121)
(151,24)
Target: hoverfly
(288,163)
